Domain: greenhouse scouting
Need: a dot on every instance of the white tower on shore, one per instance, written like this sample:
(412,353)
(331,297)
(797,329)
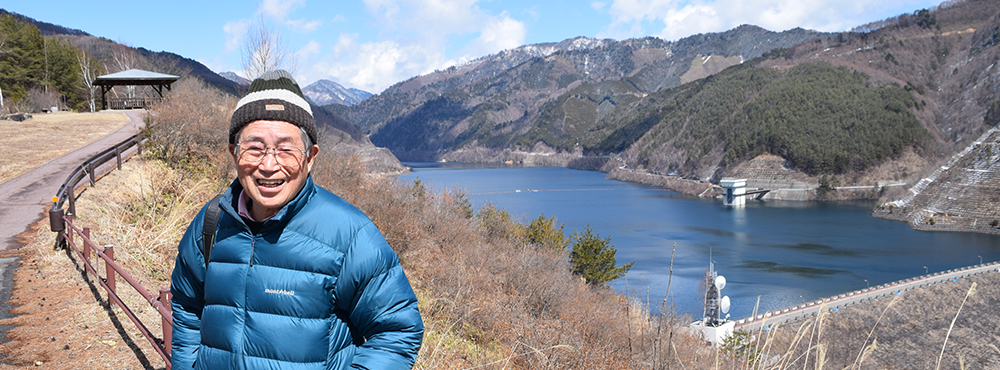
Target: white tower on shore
(734,192)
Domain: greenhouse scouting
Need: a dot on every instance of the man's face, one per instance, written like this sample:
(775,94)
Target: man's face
(275,179)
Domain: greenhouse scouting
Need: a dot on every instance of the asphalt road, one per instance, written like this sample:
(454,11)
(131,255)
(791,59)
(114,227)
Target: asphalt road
(26,199)
(810,309)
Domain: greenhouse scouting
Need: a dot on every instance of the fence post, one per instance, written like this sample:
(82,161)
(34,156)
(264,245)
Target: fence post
(72,201)
(90,171)
(69,235)
(86,246)
(118,153)
(109,250)
(138,146)
(168,329)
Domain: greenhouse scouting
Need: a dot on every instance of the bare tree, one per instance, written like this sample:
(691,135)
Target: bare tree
(124,58)
(3,40)
(263,50)
(87,74)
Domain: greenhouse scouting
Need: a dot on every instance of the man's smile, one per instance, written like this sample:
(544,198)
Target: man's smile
(269,183)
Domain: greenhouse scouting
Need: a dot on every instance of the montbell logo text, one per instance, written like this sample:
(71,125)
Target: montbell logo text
(279,291)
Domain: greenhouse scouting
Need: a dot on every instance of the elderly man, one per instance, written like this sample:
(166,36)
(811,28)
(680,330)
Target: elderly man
(297,278)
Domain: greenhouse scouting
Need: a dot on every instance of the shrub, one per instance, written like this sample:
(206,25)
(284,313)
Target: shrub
(542,232)
(593,258)
(189,129)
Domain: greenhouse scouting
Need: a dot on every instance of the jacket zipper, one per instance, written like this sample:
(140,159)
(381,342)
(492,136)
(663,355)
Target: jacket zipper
(253,246)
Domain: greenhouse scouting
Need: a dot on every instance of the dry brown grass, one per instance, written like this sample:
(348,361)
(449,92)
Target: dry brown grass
(31,143)
(908,331)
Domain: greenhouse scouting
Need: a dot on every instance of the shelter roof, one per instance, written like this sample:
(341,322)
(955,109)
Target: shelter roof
(135,77)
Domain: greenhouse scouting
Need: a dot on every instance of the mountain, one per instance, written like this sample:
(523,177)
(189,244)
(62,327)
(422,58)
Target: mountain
(546,96)
(183,66)
(232,76)
(47,29)
(325,92)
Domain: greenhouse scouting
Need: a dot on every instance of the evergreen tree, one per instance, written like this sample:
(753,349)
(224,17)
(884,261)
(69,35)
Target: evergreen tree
(593,258)
(21,57)
(30,61)
(543,232)
(64,71)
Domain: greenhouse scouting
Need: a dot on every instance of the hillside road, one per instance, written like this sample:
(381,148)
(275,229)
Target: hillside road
(810,309)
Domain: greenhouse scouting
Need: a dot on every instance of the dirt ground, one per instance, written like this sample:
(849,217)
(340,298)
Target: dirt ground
(63,321)
(49,136)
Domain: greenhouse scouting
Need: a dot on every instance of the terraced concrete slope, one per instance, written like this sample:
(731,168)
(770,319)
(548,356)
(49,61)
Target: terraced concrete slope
(962,195)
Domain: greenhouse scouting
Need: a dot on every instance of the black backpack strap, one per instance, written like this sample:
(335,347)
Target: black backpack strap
(208,228)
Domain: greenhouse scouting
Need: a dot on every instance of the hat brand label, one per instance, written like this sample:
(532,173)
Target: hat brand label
(274,107)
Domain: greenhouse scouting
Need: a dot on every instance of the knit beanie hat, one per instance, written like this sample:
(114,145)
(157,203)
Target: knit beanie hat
(273,96)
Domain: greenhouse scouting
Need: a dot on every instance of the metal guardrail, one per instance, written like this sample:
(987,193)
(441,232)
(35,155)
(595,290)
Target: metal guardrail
(89,169)
(62,223)
(834,303)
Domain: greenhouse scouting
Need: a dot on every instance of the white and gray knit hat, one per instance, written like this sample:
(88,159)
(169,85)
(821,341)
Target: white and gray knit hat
(273,96)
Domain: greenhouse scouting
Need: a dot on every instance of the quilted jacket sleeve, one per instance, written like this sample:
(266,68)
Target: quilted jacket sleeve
(187,287)
(381,304)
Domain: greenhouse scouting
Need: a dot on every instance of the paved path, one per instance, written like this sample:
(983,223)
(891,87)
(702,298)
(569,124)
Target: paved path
(810,309)
(27,198)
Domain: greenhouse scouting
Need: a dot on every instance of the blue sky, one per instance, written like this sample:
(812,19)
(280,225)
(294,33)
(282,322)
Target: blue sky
(373,44)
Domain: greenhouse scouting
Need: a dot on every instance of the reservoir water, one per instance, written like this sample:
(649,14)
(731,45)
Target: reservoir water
(782,252)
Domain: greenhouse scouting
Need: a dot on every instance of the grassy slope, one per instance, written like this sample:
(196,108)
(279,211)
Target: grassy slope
(49,136)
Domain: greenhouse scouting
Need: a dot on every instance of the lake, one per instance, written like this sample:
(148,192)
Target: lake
(782,252)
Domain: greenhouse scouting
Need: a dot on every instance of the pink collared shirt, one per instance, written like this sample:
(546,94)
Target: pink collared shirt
(243,210)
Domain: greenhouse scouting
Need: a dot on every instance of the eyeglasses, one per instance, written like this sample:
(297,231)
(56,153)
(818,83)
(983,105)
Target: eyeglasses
(253,152)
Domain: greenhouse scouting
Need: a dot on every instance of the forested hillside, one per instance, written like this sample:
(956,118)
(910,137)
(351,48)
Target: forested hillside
(547,93)
(35,71)
(821,119)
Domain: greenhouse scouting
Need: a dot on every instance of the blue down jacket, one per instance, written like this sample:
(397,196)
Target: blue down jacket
(317,287)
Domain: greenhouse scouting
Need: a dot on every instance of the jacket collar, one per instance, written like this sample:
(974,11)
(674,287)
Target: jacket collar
(231,196)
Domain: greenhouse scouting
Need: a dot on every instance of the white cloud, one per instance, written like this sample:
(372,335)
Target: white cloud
(234,33)
(311,48)
(497,34)
(674,19)
(414,37)
(302,25)
(279,9)
(428,17)
(370,66)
